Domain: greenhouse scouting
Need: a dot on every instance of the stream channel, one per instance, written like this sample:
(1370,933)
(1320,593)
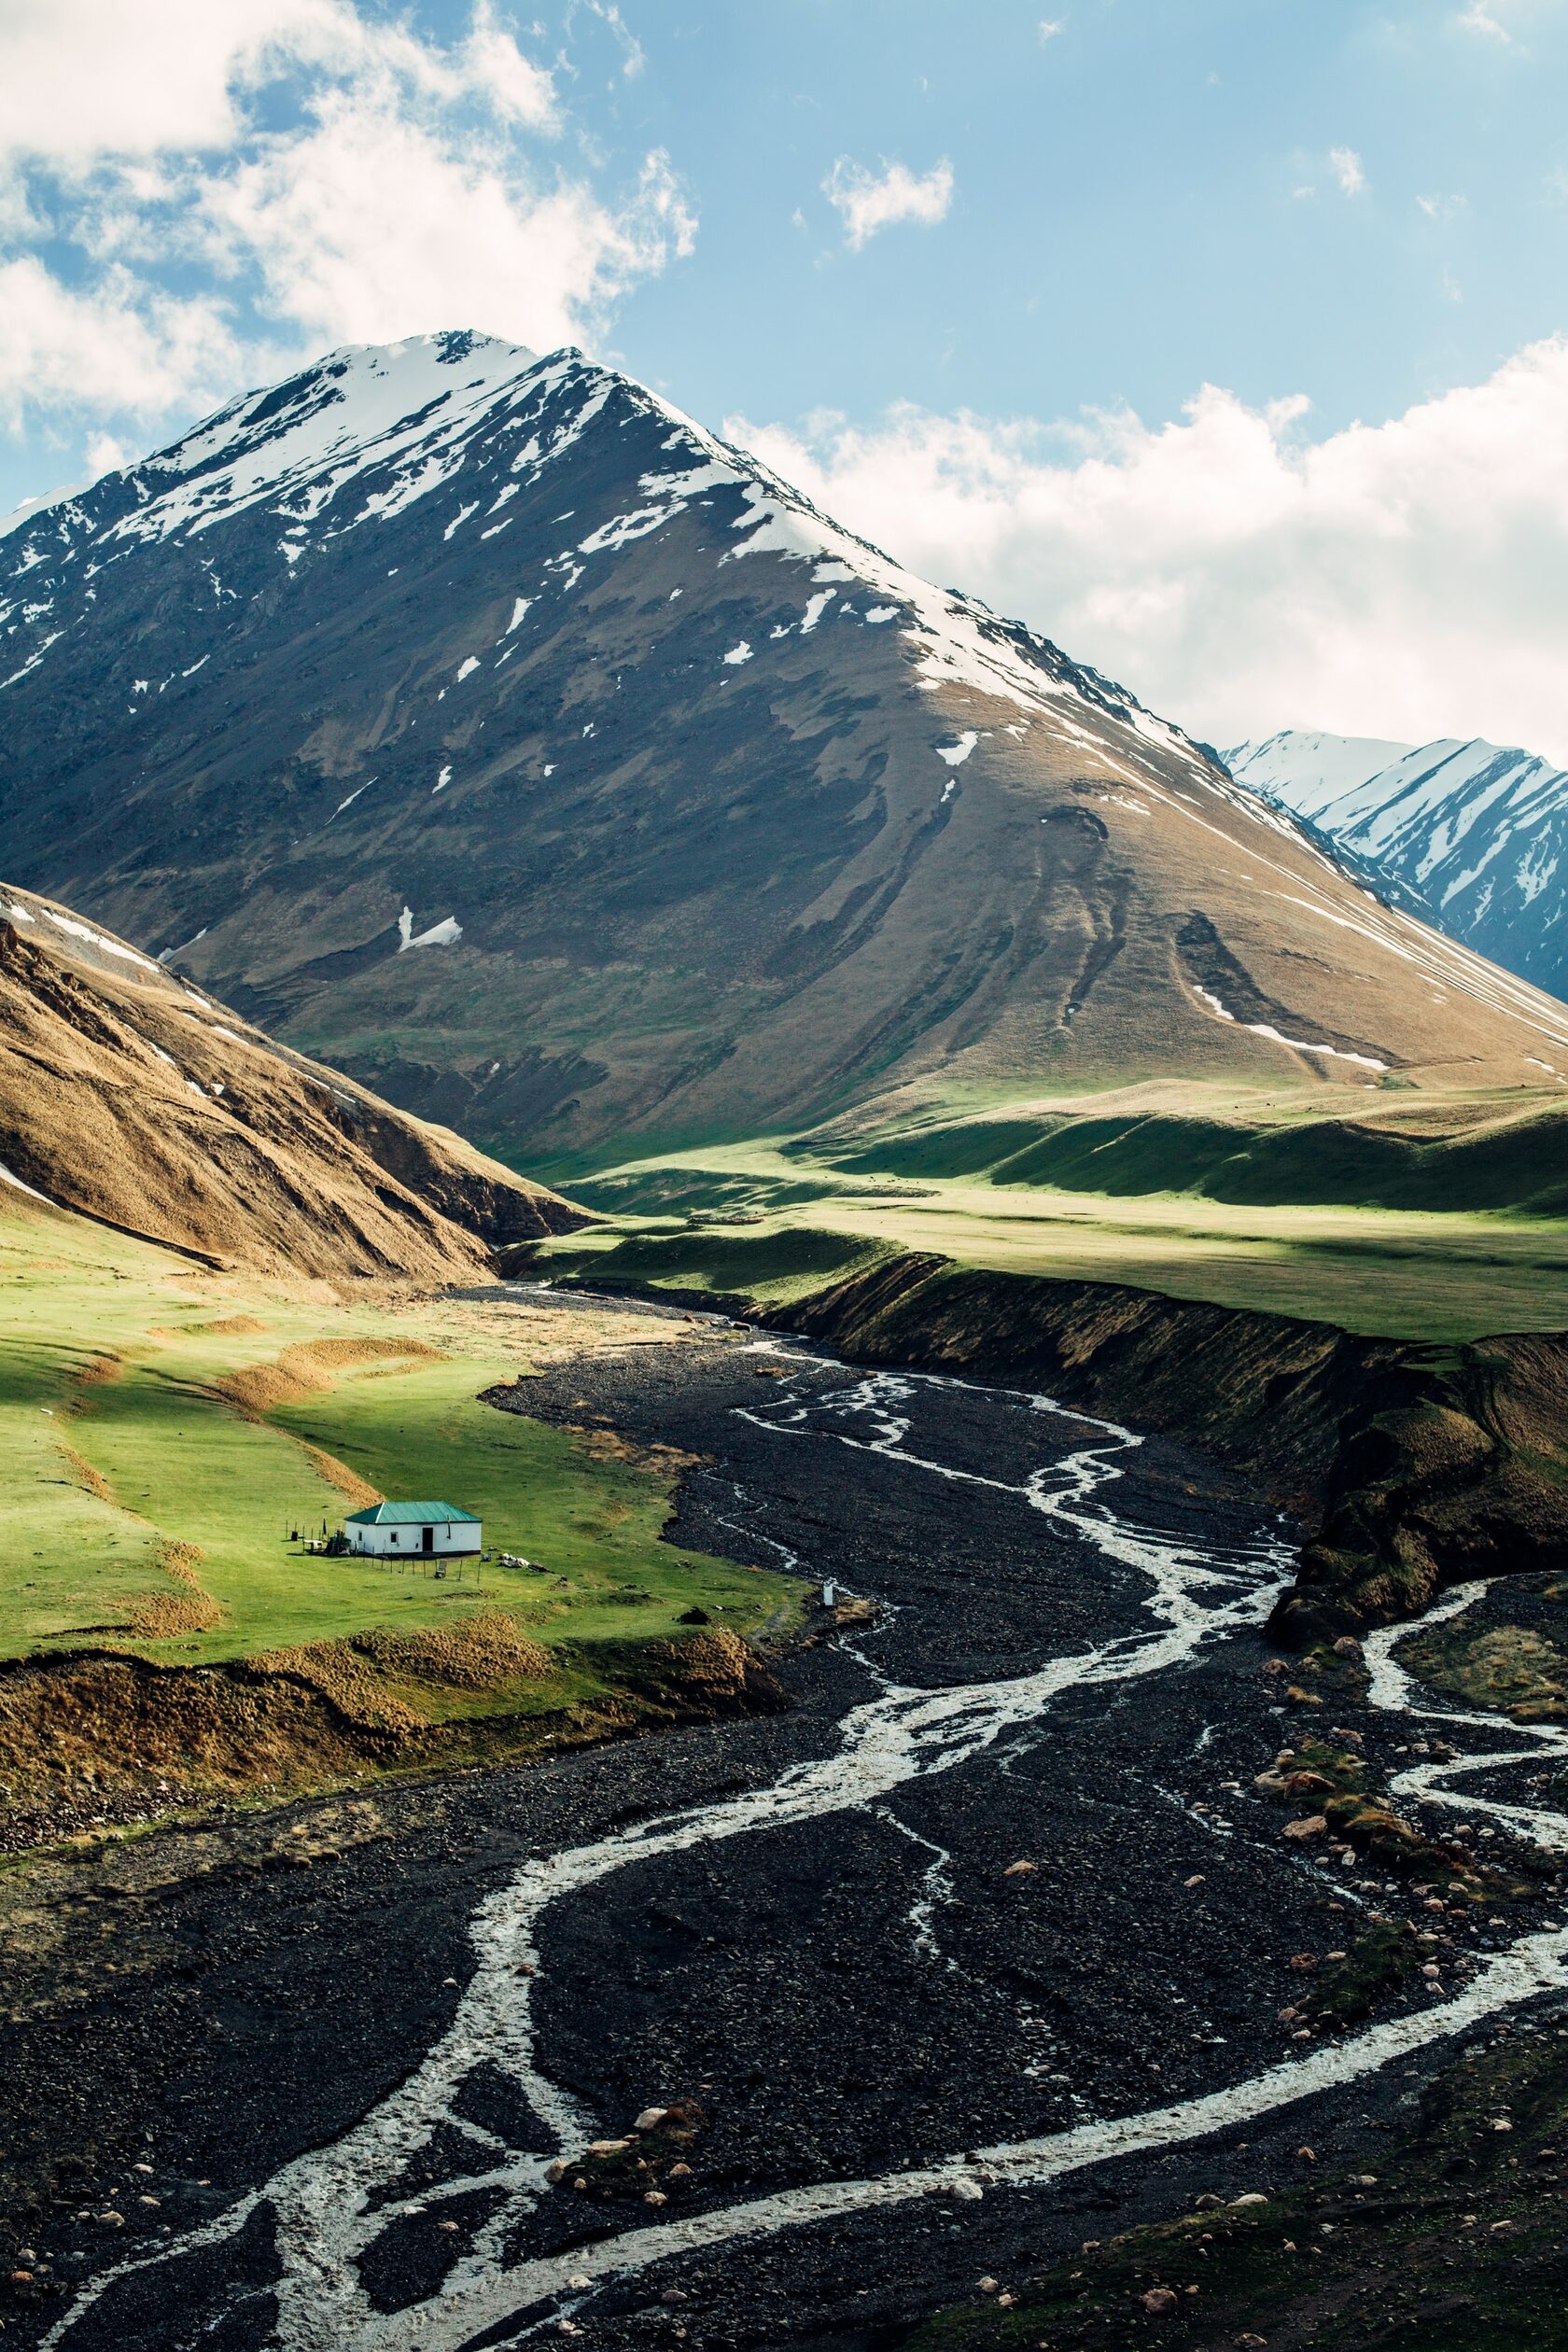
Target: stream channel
(911,2061)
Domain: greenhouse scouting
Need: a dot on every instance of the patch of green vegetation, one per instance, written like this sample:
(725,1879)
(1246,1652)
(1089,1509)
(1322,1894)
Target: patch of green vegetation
(121,1454)
(1318,1777)
(1447,2239)
(592,1522)
(1510,1668)
(1490,1155)
(1282,1204)
(772,1267)
(665,1189)
(1374,1963)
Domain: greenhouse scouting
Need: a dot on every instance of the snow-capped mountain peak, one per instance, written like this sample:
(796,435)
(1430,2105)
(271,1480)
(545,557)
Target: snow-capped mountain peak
(368,430)
(1479,830)
(702,813)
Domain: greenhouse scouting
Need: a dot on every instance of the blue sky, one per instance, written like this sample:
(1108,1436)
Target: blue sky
(965,269)
(1126,221)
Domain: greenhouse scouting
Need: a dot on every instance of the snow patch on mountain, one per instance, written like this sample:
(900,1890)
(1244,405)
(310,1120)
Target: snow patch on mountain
(446,933)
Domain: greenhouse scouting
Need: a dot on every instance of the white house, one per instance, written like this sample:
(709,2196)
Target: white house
(414,1530)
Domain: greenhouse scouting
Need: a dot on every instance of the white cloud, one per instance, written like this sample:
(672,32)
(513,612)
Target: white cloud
(1407,580)
(870,201)
(1050,27)
(491,62)
(1347,170)
(1478,18)
(632,56)
(330,174)
(80,79)
(116,350)
(105,454)
(373,225)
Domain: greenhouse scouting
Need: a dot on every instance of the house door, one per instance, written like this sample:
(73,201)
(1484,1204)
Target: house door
(427,1539)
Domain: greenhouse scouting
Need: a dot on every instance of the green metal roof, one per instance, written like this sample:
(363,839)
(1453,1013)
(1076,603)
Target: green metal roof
(411,1515)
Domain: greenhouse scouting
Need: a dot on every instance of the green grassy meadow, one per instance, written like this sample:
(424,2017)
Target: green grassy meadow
(1419,1218)
(115,1445)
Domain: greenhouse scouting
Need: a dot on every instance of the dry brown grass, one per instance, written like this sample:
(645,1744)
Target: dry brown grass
(665,1463)
(358,1490)
(96,1370)
(162,1617)
(482,1652)
(227,1326)
(90,1482)
(313,1364)
(97,1064)
(90,1723)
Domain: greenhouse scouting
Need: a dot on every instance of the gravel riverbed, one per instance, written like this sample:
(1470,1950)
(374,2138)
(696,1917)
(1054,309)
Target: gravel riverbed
(913,1963)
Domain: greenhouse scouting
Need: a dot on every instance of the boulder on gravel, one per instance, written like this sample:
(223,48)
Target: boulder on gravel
(1310,1826)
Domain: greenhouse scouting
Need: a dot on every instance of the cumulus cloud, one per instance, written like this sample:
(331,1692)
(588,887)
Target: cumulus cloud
(81,79)
(323,173)
(1478,18)
(1407,580)
(116,349)
(1347,170)
(1050,27)
(869,201)
(373,225)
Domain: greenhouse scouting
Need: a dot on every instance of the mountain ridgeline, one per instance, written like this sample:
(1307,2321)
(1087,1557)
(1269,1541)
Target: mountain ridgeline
(130,1096)
(481,724)
(1473,833)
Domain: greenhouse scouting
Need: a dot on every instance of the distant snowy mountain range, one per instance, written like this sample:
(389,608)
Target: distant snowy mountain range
(1476,832)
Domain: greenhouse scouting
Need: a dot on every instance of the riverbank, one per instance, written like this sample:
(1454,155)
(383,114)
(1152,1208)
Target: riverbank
(168,1643)
(1413,1465)
(978,1950)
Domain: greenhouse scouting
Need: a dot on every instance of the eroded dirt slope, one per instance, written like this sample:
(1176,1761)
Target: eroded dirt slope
(131,1097)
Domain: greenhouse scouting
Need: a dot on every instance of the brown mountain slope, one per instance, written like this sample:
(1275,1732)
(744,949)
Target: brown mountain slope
(129,1096)
(488,727)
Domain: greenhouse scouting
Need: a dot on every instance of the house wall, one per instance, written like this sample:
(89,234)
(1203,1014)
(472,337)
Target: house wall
(407,1543)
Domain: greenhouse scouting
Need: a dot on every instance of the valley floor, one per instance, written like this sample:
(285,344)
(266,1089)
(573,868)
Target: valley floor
(987,1956)
(169,1435)
(1423,1218)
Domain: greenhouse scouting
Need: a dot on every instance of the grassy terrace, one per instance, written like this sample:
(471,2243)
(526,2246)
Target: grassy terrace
(1161,1189)
(163,1430)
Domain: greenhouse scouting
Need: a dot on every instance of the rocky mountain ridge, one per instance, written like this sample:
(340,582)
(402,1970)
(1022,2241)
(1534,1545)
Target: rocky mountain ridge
(129,1096)
(481,724)
(1477,830)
